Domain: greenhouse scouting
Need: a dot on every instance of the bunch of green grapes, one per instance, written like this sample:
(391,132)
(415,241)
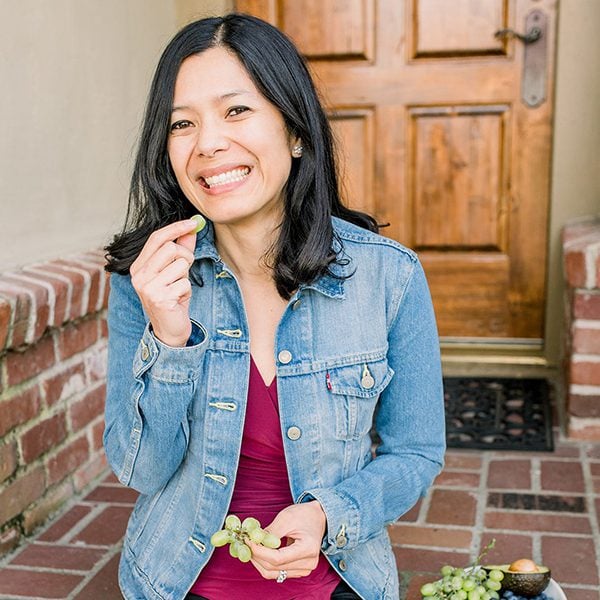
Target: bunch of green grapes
(237,533)
(464,584)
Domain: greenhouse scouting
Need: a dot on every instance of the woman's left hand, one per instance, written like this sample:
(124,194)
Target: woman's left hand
(304,527)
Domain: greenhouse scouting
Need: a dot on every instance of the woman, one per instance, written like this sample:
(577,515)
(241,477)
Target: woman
(246,361)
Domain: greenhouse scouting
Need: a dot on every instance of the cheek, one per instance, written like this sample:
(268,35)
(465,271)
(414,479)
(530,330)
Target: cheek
(279,159)
(177,160)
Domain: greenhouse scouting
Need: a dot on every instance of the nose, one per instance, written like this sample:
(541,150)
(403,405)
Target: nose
(210,138)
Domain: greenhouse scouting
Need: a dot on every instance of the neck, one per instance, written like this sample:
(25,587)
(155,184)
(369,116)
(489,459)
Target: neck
(243,249)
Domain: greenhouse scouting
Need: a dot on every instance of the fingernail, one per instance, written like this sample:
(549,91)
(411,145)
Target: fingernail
(200,222)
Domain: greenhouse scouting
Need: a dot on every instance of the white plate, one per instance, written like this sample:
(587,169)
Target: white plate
(554,591)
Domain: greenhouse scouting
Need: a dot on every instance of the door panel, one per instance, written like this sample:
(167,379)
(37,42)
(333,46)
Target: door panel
(456,174)
(436,141)
(353,131)
(463,29)
(337,29)
(477,304)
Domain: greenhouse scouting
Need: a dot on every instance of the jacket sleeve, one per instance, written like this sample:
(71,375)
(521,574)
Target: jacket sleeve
(149,388)
(410,422)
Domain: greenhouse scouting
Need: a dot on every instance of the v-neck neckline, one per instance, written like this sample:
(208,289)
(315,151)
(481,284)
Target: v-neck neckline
(270,385)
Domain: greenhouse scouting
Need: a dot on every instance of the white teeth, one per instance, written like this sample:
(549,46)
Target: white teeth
(227,177)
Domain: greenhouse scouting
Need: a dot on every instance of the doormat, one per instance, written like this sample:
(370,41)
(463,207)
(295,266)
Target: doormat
(498,414)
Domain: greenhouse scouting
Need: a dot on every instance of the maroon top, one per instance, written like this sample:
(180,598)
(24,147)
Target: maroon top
(261,490)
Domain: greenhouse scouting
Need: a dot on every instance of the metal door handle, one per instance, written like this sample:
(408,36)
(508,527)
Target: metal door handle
(533,35)
(533,78)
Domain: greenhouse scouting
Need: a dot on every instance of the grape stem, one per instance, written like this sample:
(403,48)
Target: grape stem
(477,561)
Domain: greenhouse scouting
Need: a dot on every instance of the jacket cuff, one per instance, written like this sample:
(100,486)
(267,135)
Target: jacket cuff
(342,519)
(178,365)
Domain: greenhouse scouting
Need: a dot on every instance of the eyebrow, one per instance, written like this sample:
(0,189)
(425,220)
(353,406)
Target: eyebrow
(226,96)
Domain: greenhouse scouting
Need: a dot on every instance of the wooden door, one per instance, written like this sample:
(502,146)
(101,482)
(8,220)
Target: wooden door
(445,137)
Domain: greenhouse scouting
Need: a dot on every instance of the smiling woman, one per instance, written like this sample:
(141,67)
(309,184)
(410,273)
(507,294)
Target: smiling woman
(229,147)
(247,360)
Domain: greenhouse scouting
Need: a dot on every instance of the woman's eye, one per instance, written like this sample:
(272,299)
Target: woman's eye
(237,110)
(178,125)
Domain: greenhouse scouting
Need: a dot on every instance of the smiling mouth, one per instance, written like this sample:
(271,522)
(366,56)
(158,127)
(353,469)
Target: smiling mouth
(227,177)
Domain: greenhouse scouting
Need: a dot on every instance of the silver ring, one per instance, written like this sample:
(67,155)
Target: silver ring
(282,576)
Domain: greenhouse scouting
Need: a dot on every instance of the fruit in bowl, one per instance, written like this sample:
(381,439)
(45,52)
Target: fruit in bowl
(471,583)
(520,580)
(523,577)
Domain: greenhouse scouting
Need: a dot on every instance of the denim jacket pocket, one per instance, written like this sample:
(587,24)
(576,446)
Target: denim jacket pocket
(354,390)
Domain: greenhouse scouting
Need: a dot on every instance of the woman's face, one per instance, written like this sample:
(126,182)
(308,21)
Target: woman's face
(228,145)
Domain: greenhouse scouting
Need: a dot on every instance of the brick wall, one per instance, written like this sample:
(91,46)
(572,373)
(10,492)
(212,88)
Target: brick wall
(52,388)
(581,252)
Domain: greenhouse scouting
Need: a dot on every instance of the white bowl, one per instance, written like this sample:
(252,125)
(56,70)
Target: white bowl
(554,591)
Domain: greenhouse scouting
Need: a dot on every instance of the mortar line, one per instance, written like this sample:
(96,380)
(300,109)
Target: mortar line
(97,567)
(481,496)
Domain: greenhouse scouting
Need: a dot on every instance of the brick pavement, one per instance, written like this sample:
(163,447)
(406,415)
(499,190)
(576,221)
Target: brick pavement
(540,505)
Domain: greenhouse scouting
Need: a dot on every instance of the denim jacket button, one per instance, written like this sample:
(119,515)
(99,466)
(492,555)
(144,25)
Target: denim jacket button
(285,356)
(342,565)
(367,382)
(294,433)
(145,352)
(341,540)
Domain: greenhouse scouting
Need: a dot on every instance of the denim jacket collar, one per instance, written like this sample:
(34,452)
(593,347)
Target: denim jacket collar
(330,284)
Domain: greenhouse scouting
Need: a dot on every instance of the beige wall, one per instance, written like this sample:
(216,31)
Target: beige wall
(74,74)
(576,161)
(188,10)
(74,77)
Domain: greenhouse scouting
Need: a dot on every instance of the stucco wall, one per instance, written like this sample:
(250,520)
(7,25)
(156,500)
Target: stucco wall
(576,158)
(74,74)
(74,77)
(188,10)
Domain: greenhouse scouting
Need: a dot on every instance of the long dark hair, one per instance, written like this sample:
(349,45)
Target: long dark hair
(303,250)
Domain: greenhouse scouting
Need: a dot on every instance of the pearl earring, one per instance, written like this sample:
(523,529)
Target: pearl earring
(297,151)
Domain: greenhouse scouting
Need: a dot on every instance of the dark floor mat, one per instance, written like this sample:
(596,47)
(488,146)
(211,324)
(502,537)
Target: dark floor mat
(498,414)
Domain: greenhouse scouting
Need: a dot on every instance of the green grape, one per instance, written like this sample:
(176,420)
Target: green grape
(447,570)
(496,575)
(233,523)
(485,596)
(257,535)
(473,595)
(271,541)
(469,584)
(233,549)
(200,223)
(244,553)
(428,590)
(220,538)
(457,583)
(490,584)
(494,595)
(459,573)
(249,524)
(481,589)
(462,594)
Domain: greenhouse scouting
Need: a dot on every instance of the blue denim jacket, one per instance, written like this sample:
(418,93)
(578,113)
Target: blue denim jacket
(174,416)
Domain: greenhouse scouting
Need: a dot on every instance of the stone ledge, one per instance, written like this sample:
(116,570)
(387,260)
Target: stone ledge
(581,247)
(48,294)
(581,254)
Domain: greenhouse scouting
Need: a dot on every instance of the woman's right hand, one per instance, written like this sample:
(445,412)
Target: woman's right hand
(159,275)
